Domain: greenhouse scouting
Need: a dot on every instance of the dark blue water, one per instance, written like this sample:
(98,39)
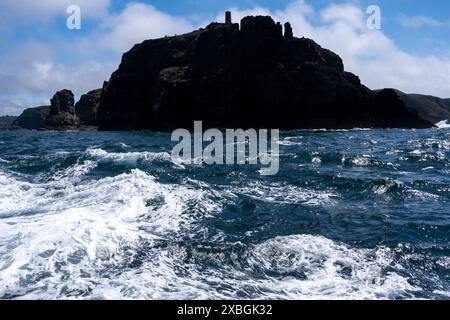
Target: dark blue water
(351,214)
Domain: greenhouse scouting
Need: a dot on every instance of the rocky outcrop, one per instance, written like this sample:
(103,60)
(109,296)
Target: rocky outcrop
(62,112)
(8,121)
(247,76)
(86,108)
(431,108)
(62,101)
(32,118)
(2,126)
(60,115)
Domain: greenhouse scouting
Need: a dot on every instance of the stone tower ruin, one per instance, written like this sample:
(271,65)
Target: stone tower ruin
(228,17)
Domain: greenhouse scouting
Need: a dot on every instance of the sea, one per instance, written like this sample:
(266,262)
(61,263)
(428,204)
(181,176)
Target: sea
(351,214)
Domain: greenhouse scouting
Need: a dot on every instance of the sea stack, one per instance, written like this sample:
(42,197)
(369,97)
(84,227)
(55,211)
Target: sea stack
(86,108)
(62,111)
(288,32)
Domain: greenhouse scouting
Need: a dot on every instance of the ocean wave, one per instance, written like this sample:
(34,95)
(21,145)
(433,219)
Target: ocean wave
(84,229)
(116,238)
(443,124)
(110,194)
(332,130)
(128,157)
(71,174)
(90,219)
(429,145)
(391,188)
(287,194)
(316,161)
(328,270)
(121,265)
(288,142)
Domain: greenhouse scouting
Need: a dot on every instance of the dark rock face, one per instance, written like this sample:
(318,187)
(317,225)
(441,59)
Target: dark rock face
(431,108)
(248,77)
(8,121)
(86,108)
(61,115)
(32,118)
(62,101)
(288,33)
(62,111)
(2,126)
(61,121)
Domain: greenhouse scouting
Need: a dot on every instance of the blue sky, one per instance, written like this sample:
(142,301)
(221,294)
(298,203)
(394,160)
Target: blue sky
(39,55)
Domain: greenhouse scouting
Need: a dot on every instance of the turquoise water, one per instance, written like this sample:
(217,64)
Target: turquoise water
(351,214)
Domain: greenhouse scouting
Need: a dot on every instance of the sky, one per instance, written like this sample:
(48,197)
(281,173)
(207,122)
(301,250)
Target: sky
(39,55)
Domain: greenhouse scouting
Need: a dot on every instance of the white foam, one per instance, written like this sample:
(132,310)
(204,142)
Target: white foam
(287,194)
(383,190)
(362,161)
(443,124)
(130,157)
(72,173)
(49,231)
(120,238)
(288,142)
(85,239)
(331,270)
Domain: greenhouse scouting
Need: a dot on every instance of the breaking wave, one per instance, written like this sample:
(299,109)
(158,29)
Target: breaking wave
(443,124)
(351,215)
(130,157)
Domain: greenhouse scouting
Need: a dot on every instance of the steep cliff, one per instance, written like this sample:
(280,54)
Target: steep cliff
(62,111)
(242,76)
(86,108)
(431,108)
(8,121)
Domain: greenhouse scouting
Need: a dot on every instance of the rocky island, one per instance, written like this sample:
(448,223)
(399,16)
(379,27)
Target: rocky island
(253,74)
(250,75)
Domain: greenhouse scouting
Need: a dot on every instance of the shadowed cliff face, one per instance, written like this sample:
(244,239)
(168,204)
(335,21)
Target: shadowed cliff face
(253,76)
(32,118)
(431,108)
(86,108)
(62,111)
(8,121)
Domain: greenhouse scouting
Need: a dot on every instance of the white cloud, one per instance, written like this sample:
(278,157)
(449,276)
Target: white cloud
(30,69)
(368,53)
(417,22)
(13,106)
(138,22)
(30,11)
